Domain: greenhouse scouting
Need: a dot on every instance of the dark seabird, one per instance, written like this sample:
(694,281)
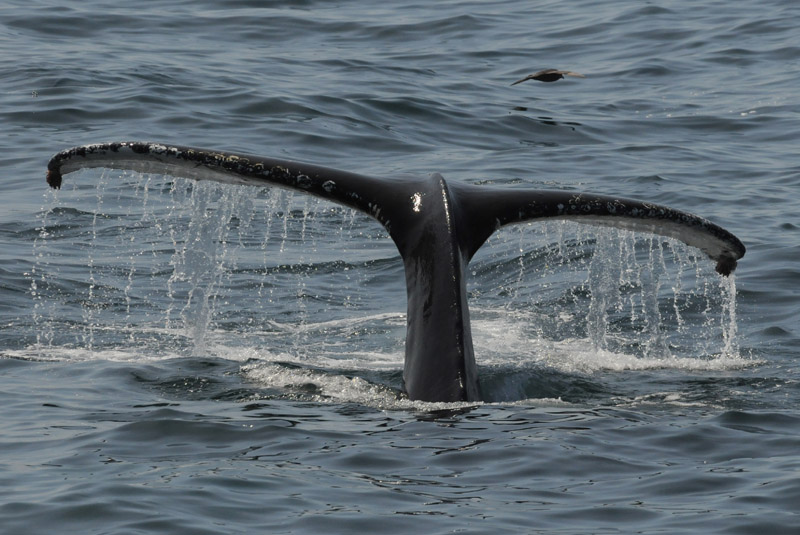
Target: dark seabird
(549,75)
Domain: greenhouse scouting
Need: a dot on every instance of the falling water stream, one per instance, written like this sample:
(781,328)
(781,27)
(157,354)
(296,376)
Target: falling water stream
(297,288)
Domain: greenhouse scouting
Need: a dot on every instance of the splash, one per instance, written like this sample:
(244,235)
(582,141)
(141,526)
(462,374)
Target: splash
(611,295)
(156,266)
(138,254)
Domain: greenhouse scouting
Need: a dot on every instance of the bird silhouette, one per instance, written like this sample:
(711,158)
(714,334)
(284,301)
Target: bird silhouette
(549,75)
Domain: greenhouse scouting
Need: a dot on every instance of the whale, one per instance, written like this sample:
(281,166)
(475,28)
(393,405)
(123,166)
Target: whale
(437,226)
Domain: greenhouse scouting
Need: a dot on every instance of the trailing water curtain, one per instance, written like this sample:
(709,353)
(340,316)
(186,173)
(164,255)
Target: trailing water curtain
(437,226)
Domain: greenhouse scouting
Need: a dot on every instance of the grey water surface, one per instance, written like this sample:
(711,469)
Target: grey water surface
(193,358)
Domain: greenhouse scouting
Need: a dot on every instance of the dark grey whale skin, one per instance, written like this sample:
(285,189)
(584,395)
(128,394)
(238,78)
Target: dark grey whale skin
(437,227)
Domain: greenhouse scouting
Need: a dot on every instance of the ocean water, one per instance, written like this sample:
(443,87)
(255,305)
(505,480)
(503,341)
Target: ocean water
(181,357)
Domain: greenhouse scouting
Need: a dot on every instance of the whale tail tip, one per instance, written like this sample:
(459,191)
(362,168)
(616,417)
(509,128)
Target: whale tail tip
(54,178)
(726,265)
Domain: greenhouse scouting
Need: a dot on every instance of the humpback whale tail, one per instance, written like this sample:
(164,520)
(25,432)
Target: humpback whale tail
(437,227)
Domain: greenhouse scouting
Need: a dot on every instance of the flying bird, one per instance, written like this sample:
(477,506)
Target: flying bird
(549,75)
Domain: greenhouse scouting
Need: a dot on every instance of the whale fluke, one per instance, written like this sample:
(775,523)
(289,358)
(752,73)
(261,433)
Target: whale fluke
(437,227)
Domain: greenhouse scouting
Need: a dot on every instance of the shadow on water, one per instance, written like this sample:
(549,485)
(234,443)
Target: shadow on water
(549,121)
